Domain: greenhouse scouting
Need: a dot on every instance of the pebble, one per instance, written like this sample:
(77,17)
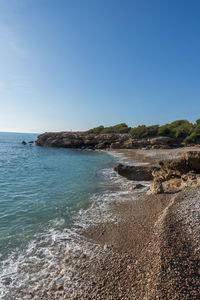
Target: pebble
(105,247)
(82,256)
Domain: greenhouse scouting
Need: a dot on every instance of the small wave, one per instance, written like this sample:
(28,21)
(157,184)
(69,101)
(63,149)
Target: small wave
(45,257)
(121,182)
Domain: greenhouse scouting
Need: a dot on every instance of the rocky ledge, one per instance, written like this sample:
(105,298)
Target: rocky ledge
(175,174)
(83,140)
(171,176)
(136,173)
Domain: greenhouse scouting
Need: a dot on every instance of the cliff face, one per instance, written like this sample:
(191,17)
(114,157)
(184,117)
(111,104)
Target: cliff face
(83,140)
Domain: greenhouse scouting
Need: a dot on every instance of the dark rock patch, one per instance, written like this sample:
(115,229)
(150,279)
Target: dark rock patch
(135,173)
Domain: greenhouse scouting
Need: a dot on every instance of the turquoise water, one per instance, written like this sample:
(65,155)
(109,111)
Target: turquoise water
(44,188)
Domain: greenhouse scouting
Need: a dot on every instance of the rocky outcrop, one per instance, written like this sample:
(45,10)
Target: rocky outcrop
(138,173)
(136,186)
(162,142)
(192,159)
(83,140)
(175,174)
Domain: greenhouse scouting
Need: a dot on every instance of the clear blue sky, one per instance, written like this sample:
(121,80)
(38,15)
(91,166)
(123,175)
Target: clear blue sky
(76,64)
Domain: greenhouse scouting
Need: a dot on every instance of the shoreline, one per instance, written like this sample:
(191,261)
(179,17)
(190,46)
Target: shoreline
(152,250)
(127,254)
(36,257)
(150,156)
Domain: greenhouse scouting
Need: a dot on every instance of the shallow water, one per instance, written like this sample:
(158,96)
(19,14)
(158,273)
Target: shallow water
(43,188)
(45,195)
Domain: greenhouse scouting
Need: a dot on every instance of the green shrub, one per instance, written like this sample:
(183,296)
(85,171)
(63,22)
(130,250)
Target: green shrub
(152,130)
(119,128)
(194,137)
(143,131)
(198,122)
(179,129)
(96,130)
(138,132)
(164,130)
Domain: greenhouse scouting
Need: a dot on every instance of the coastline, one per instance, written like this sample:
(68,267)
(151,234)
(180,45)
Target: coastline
(150,156)
(153,249)
(130,252)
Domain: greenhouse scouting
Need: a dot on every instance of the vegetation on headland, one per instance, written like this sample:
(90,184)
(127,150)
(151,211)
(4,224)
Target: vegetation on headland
(180,129)
(119,128)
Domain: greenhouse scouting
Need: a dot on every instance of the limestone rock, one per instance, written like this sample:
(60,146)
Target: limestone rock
(135,173)
(175,174)
(136,186)
(84,140)
(192,159)
(156,187)
(162,140)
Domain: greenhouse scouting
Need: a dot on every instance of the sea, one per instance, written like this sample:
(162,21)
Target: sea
(44,193)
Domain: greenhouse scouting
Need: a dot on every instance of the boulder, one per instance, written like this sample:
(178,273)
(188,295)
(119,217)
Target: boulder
(190,179)
(24,143)
(156,187)
(138,173)
(175,174)
(136,187)
(192,159)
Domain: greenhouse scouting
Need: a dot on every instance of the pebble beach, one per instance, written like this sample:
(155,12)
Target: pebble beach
(139,247)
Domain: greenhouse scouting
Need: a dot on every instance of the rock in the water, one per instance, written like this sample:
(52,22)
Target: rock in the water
(24,143)
(136,186)
(135,173)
